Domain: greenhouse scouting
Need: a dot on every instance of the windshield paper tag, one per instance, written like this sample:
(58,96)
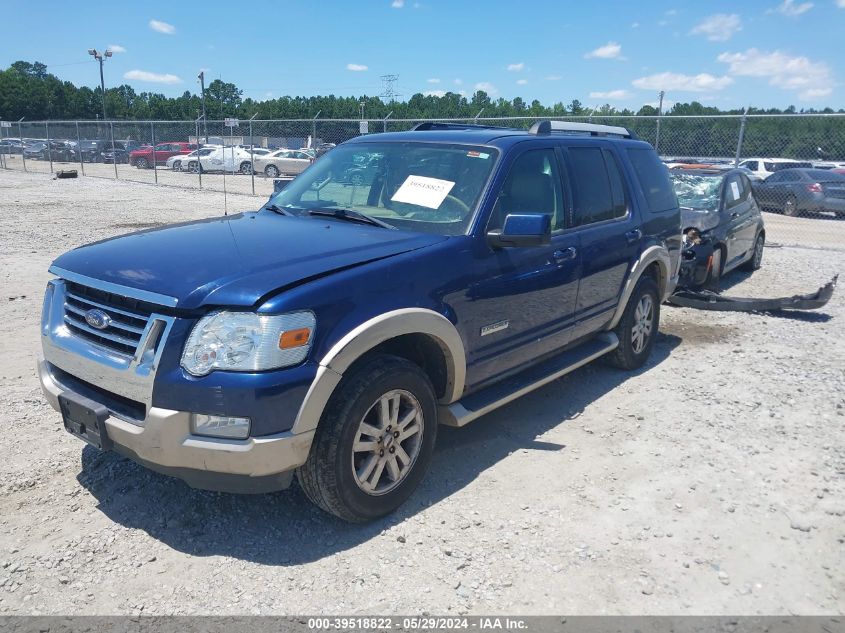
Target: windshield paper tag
(477,155)
(423,191)
(735,190)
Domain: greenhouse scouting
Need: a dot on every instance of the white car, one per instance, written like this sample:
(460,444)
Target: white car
(765,167)
(230,159)
(283,161)
(180,161)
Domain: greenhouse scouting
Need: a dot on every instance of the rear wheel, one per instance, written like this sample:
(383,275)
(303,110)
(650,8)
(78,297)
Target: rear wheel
(271,171)
(637,328)
(246,168)
(757,256)
(177,165)
(374,442)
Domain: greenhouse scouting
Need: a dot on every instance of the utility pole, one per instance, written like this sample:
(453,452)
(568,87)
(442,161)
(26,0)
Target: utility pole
(201,77)
(388,93)
(660,96)
(101,57)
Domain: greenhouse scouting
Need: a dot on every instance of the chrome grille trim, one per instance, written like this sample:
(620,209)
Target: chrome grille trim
(118,324)
(107,286)
(102,306)
(70,345)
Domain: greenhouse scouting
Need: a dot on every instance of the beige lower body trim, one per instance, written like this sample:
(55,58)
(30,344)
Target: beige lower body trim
(165,440)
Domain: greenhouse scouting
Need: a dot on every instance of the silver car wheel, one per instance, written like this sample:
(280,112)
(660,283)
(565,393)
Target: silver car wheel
(643,322)
(387,442)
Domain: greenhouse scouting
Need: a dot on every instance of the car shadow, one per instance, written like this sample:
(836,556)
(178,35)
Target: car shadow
(285,529)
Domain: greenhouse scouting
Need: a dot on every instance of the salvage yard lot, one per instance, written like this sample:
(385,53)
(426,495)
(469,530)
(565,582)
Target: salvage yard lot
(712,481)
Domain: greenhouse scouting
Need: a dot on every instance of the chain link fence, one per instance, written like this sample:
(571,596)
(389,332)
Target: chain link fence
(243,157)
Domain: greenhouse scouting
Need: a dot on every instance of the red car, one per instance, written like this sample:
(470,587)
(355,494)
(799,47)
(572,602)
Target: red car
(145,157)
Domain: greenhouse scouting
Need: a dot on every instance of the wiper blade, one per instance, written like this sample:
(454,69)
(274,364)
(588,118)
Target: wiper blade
(351,216)
(277,209)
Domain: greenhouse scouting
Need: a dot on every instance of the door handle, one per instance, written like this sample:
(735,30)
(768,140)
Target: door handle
(567,254)
(633,236)
(735,214)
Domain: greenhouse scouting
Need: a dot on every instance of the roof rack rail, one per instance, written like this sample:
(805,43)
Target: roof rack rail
(571,127)
(448,125)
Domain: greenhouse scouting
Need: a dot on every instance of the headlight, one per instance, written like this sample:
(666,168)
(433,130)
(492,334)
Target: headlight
(245,341)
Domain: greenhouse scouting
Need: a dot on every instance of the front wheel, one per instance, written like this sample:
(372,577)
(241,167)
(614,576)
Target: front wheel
(141,163)
(637,328)
(790,207)
(246,168)
(374,442)
(271,171)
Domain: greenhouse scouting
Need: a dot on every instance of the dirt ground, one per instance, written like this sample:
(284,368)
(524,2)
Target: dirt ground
(712,481)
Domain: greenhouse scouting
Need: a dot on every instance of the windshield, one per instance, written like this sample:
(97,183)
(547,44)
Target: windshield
(697,192)
(431,188)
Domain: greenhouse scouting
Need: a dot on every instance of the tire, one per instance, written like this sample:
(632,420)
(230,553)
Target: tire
(790,206)
(194,167)
(246,168)
(176,165)
(356,179)
(271,171)
(361,485)
(643,308)
(141,163)
(756,255)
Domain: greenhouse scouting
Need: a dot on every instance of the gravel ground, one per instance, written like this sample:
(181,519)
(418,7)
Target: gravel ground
(709,482)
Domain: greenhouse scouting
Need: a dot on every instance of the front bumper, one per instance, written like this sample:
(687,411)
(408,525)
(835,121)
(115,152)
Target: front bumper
(164,443)
(696,262)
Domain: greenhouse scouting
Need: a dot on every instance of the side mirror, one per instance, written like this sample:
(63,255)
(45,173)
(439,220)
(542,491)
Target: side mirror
(522,229)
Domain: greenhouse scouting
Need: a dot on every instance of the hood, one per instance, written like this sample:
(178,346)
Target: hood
(703,220)
(236,260)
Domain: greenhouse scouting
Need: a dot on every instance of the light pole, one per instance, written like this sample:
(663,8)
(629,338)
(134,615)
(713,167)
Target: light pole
(101,57)
(201,77)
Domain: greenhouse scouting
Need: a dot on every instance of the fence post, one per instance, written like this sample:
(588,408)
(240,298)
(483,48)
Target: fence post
(49,149)
(741,136)
(20,136)
(251,154)
(660,95)
(79,145)
(153,139)
(385,120)
(199,145)
(114,155)
(314,130)
(2,152)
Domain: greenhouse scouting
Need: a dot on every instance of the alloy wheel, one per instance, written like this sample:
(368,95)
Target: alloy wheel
(643,322)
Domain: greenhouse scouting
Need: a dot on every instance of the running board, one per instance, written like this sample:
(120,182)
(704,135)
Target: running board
(477,404)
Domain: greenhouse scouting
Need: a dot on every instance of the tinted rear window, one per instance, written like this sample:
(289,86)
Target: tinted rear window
(654,180)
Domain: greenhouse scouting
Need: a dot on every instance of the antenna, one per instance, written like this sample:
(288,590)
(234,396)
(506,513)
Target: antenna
(389,93)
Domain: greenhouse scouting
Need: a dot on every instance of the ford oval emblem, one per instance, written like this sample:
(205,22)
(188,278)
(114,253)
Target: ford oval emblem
(97,319)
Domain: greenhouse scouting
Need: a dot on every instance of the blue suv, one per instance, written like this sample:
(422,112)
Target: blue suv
(329,333)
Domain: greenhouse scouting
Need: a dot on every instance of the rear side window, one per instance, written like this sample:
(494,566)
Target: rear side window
(751,164)
(597,189)
(654,180)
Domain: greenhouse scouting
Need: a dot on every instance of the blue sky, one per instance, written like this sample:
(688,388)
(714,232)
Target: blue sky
(763,53)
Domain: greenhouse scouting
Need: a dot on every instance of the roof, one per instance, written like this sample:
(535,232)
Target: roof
(476,135)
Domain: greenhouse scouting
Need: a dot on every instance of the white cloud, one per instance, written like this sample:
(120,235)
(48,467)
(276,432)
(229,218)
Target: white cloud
(702,82)
(840,4)
(610,94)
(487,87)
(515,68)
(811,79)
(162,27)
(672,12)
(611,50)
(397,4)
(789,8)
(357,68)
(521,82)
(635,25)
(459,82)
(433,80)
(719,27)
(553,77)
(154,78)
(116,48)
(435,93)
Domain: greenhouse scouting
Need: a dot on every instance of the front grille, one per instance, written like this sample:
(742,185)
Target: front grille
(128,318)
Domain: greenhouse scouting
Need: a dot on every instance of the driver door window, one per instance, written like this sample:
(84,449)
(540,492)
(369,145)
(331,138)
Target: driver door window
(533,185)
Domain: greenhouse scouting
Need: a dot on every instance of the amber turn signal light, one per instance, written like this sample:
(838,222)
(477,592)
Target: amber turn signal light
(294,338)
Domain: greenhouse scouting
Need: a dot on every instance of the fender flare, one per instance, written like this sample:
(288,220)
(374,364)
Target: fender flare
(368,335)
(652,254)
